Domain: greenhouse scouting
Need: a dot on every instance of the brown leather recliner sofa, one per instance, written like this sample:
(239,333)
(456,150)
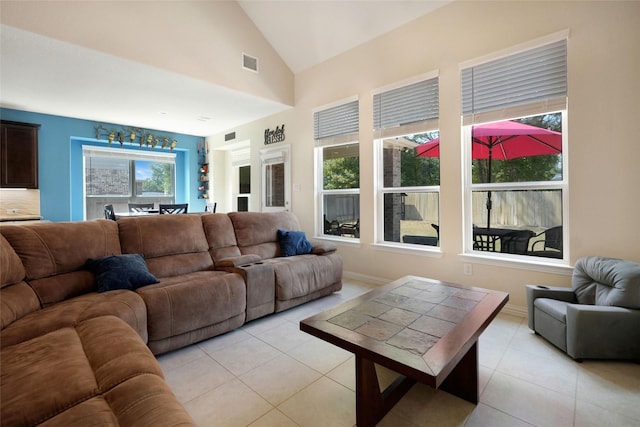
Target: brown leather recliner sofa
(73,356)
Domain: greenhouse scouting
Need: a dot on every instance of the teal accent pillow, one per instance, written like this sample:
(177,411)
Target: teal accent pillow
(127,271)
(293,243)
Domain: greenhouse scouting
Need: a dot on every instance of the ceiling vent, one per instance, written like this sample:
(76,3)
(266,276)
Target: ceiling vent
(249,63)
(230,136)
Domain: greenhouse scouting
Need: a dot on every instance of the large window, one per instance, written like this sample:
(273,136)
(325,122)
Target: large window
(408,170)
(338,169)
(122,176)
(514,115)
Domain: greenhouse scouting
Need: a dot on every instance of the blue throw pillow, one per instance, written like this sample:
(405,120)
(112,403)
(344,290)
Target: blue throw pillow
(293,243)
(127,271)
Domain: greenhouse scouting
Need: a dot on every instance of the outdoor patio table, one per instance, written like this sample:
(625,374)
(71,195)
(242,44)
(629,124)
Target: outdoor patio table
(484,239)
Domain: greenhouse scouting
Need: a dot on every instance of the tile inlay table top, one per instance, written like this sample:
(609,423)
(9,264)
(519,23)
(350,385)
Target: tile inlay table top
(426,330)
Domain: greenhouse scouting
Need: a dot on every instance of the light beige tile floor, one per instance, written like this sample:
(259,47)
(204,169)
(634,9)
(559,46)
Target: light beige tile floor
(270,374)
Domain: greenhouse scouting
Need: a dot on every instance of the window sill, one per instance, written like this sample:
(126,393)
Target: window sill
(430,251)
(519,262)
(349,241)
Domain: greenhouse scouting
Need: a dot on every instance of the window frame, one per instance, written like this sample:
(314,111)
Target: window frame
(539,107)
(429,123)
(344,131)
(131,156)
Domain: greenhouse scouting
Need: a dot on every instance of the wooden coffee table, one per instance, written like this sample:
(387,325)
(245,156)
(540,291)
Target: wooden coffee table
(426,330)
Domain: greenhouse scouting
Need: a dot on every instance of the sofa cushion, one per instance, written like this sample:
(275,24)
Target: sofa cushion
(12,270)
(93,360)
(257,232)
(171,245)
(220,236)
(554,308)
(301,275)
(127,271)
(54,255)
(293,243)
(126,305)
(182,304)
(607,281)
(16,297)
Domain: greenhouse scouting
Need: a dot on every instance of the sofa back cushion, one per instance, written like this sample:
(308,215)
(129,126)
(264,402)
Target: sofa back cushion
(16,297)
(54,255)
(607,281)
(257,232)
(170,244)
(220,236)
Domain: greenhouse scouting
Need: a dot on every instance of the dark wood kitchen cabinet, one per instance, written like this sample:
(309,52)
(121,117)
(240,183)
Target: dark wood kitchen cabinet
(19,155)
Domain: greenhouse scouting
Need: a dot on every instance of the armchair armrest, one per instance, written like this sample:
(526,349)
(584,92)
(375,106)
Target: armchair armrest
(553,292)
(321,247)
(237,261)
(603,332)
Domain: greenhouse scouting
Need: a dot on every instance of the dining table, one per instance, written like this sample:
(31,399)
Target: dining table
(140,213)
(484,239)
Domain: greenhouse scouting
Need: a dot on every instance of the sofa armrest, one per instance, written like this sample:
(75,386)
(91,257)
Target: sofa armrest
(603,332)
(321,247)
(237,261)
(553,292)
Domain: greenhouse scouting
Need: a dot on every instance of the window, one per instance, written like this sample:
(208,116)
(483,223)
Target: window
(514,115)
(275,178)
(124,176)
(338,168)
(408,164)
(244,178)
(241,179)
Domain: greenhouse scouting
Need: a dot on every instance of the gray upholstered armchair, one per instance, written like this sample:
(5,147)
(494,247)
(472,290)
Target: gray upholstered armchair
(598,318)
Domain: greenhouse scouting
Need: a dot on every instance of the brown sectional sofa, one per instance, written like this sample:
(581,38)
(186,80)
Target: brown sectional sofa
(73,356)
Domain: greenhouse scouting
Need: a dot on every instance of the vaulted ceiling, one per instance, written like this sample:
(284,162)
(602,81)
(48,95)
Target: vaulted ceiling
(45,74)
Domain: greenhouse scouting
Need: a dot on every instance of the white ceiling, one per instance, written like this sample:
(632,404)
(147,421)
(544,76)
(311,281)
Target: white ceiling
(306,33)
(49,76)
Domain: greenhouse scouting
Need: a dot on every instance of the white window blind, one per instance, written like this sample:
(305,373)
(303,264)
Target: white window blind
(537,75)
(342,120)
(125,154)
(409,104)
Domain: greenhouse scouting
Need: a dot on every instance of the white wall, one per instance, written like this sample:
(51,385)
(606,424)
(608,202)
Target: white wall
(603,129)
(200,39)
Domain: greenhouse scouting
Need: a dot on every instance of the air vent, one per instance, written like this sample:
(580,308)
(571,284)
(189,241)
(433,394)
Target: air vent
(249,63)
(229,136)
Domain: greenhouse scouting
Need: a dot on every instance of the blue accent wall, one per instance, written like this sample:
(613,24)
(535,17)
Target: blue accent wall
(60,141)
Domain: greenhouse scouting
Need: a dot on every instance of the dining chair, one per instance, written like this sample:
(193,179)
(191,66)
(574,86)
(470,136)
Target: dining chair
(179,208)
(109,212)
(140,207)
(516,242)
(211,207)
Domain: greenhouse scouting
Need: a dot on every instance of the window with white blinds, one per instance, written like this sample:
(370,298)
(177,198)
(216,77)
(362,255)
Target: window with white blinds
(337,158)
(410,104)
(536,77)
(339,121)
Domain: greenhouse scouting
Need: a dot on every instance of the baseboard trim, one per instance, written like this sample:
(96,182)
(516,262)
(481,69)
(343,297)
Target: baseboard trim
(514,310)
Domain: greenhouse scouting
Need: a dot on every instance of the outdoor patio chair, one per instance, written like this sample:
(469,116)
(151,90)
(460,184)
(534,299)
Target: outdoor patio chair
(109,213)
(598,317)
(140,207)
(516,242)
(437,228)
(351,229)
(550,246)
(180,208)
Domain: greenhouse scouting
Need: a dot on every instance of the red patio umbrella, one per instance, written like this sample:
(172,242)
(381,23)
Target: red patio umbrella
(503,140)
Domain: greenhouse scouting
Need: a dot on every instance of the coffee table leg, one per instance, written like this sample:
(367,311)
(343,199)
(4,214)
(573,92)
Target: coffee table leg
(463,380)
(368,397)
(371,404)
